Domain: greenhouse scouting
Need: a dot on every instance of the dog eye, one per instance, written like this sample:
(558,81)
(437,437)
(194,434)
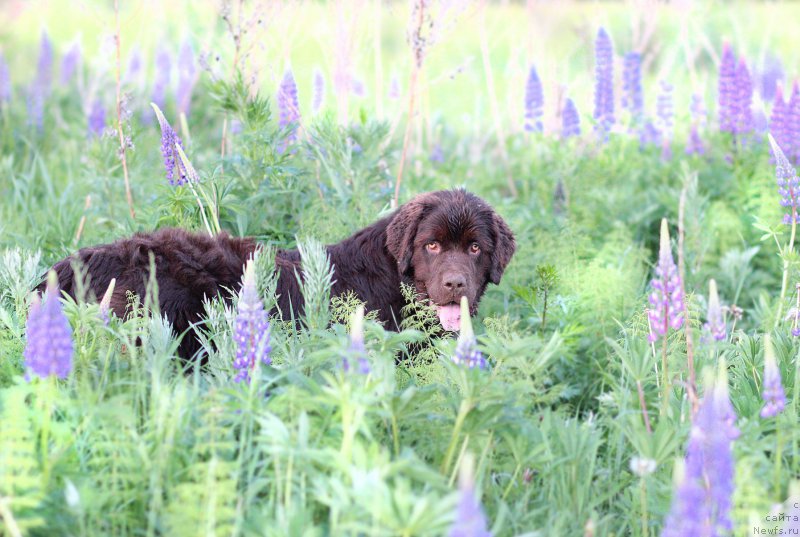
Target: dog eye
(432,247)
(474,248)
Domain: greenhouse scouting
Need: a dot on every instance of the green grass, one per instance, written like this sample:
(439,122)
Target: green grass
(133,444)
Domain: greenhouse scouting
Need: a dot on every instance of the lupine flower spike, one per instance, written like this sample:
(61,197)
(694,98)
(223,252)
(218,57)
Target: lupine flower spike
(49,346)
(357,350)
(467,352)
(105,303)
(251,329)
(5,81)
(773,394)
(702,501)
(788,183)
(170,145)
(715,322)
(632,98)
(97,118)
(570,121)
(534,102)
(728,93)
(604,84)
(69,64)
(666,299)
(744,85)
(288,105)
(318,96)
(470,520)
(794,313)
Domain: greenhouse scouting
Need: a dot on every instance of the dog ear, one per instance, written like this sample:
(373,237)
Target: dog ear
(504,248)
(402,229)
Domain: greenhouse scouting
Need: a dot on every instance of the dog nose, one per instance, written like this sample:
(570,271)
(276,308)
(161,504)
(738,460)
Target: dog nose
(454,281)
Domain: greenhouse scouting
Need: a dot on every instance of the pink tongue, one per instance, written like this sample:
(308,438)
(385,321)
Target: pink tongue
(450,316)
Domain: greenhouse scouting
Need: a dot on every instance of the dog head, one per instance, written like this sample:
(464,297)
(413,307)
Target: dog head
(450,244)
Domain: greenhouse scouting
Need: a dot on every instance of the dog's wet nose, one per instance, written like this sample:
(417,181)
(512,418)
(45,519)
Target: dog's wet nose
(454,281)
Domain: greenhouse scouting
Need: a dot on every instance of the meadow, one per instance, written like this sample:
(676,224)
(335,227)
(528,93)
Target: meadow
(641,350)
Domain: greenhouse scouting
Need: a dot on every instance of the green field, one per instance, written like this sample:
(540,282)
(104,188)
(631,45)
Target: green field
(573,428)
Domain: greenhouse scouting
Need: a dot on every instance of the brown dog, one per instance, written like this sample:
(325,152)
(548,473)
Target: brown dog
(448,244)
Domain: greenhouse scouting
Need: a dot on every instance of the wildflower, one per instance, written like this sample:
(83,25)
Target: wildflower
(5,81)
(649,135)
(773,394)
(470,520)
(170,141)
(792,125)
(728,92)
(779,119)
(163,70)
(744,85)
(49,347)
(467,351)
(715,323)
(695,143)
(666,299)
(437,153)
(69,63)
(788,183)
(534,102)
(252,330)
(105,303)
(134,69)
(604,83)
(394,88)
(771,76)
(664,112)
(187,77)
(642,466)
(97,118)
(288,107)
(358,88)
(570,121)
(632,99)
(44,68)
(319,91)
(357,349)
(702,501)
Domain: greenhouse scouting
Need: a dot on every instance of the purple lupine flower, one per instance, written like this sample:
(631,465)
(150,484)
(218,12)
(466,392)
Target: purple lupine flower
(778,120)
(358,88)
(251,330)
(570,120)
(467,352)
(792,125)
(44,68)
(702,503)
(357,350)
(394,88)
(649,134)
(187,77)
(744,86)
(697,110)
(134,70)
(728,91)
(318,95)
(288,105)
(773,394)
(604,83)
(470,520)
(632,99)
(534,102)
(169,143)
(105,303)
(715,322)
(48,346)
(70,63)
(771,76)
(97,118)
(163,73)
(788,183)
(437,153)
(664,113)
(5,81)
(666,299)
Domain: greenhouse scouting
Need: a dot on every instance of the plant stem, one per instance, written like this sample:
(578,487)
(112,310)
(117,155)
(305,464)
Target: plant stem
(777,467)
(122,144)
(544,310)
(687,327)
(645,517)
(644,406)
(665,375)
(463,410)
